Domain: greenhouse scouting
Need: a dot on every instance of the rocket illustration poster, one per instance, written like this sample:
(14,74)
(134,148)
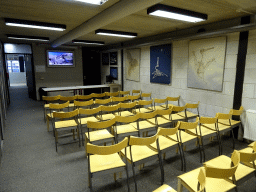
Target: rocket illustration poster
(160,64)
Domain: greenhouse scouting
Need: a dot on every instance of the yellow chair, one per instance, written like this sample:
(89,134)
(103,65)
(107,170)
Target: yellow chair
(243,172)
(165,188)
(140,152)
(84,97)
(147,123)
(126,126)
(205,133)
(47,100)
(190,115)
(173,99)
(186,138)
(86,115)
(124,93)
(66,121)
(157,104)
(127,109)
(248,156)
(70,99)
(98,102)
(116,100)
(108,112)
(106,160)
(84,104)
(141,106)
(210,179)
(102,133)
(166,143)
(53,108)
(161,120)
(176,110)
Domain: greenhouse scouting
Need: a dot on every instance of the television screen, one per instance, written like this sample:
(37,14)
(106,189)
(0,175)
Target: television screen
(60,58)
(114,73)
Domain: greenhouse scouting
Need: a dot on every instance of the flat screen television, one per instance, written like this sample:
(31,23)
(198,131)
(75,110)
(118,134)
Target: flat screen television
(60,58)
(114,73)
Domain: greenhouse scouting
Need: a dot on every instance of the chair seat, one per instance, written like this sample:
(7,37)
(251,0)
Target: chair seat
(71,105)
(225,162)
(127,128)
(211,184)
(99,135)
(143,110)
(66,123)
(165,188)
(85,119)
(50,115)
(139,152)
(185,137)
(175,117)
(164,143)
(160,107)
(126,113)
(226,122)
(161,121)
(204,131)
(248,150)
(105,162)
(189,114)
(146,124)
(251,145)
(106,117)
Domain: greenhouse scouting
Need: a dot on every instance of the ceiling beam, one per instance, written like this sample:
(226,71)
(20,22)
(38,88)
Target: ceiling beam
(119,10)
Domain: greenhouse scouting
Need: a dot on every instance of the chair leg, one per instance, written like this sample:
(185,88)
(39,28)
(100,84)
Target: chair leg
(202,144)
(181,158)
(161,168)
(184,159)
(127,177)
(47,122)
(56,140)
(233,137)
(133,170)
(73,131)
(78,135)
(199,149)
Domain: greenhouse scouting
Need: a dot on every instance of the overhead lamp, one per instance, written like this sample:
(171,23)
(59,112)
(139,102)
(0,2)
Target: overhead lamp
(94,2)
(88,42)
(30,38)
(115,33)
(176,13)
(34,24)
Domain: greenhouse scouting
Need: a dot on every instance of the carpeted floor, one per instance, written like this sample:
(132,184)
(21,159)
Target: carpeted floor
(30,162)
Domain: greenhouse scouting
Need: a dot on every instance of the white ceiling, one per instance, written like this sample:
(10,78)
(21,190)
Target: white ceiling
(73,14)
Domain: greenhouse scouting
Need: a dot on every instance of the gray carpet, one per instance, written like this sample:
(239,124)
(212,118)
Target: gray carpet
(30,162)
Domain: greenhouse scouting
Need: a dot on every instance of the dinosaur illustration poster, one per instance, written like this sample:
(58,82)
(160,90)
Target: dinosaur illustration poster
(206,63)
(160,64)
(132,63)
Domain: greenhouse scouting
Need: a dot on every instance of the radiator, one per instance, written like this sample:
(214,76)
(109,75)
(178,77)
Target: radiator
(250,125)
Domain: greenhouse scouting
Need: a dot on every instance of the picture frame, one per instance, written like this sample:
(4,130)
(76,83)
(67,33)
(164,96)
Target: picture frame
(113,58)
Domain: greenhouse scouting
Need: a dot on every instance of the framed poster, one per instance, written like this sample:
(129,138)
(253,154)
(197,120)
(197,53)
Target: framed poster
(160,64)
(132,63)
(206,63)
(105,58)
(113,58)
(114,73)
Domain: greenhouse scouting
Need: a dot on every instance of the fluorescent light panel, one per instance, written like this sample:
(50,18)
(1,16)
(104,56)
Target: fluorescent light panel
(94,2)
(170,12)
(34,24)
(30,38)
(88,42)
(115,33)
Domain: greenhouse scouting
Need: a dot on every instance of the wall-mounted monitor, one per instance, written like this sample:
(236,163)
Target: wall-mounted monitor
(60,58)
(114,73)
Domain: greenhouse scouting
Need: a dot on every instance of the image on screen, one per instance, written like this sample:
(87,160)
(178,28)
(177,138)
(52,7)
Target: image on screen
(60,58)
(114,73)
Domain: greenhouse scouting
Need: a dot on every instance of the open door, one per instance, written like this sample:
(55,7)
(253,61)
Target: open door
(30,77)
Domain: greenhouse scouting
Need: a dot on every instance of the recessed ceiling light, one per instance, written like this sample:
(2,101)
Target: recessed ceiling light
(30,38)
(88,42)
(94,2)
(34,24)
(170,12)
(115,33)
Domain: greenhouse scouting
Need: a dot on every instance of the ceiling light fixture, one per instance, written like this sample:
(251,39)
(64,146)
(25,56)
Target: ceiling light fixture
(34,24)
(30,38)
(115,33)
(176,13)
(88,42)
(94,2)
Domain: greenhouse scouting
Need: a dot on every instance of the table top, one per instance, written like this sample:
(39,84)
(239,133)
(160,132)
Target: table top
(74,87)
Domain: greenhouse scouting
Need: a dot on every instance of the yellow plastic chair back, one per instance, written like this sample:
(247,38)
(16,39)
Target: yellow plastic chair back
(101,125)
(136,91)
(189,125)
(58,106)
(51,98)
(89,111)
(223,116)
(148,115)
(178,108)
(168,131)
(127,119)
(237,112)
(106,150)
(143,140)
(65,115)
(173,98)
(110,108)
(83,103)
(202,179)
(133,97)
(118,99)
(68,98)
(128,105)
(102,101)
(98,95)
(215,172)
(164,111)
(84,97)
(208,120)
(191,105)
(235,158)
(145,102)
(146,95)
(160,100)
(124,93)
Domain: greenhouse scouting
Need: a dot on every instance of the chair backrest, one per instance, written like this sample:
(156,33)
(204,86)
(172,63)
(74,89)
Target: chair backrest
(98,95)
(127,119)
(143,140)
(237,112)
(189,125)
(160,101)
(247,157)
(119,99)
(143,95)
(127,105)
(223,116)
(84,97)
(102,101)
(191,105)
(201,180)
(68,98)
(110,108)
(124,93)
(164,111)
(145,102)
(106,150)
(101,125)
(235,158)
(136,91)
(168,131)
(65,115)
(79,104)
(50,98)
(133,97)
(148,115)
(89,112)
(111,94)
(208,120)
(58,106)
(173,99)
(178,108)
